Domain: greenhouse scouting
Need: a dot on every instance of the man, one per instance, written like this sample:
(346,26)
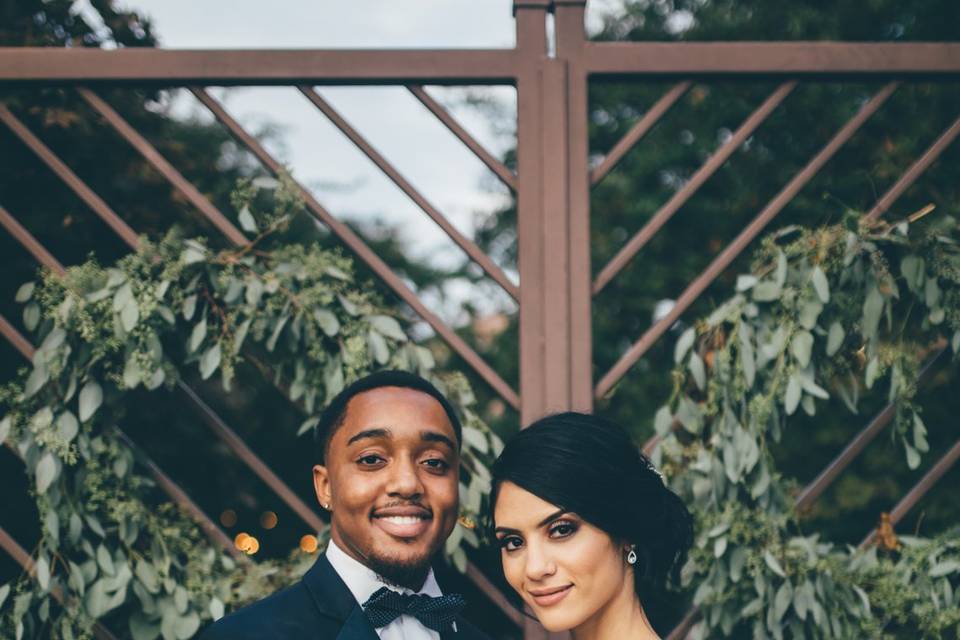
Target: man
(389,447)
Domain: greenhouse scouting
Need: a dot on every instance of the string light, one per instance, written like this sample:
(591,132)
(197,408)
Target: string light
(268,520)
(247,543)
(309,544)
(228,518)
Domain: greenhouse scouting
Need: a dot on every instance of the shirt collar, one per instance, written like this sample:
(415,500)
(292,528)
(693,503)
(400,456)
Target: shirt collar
(363,582)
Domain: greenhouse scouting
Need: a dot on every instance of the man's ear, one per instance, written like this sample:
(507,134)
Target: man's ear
(321,485)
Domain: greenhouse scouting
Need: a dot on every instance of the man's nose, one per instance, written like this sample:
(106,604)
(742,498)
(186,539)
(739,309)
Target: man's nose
(404,479)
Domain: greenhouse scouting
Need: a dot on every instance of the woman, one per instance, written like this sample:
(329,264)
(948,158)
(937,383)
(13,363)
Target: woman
(588,533)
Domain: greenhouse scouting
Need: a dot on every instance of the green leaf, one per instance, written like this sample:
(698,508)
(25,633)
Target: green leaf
(148,576)
(684,342)
(210,361)
(378,347)
(780,275)
(46,472)
(719,547)
(773,564)
(809,313)
(820,284)
(475,438)
(189,307)
(835,338)
(791,398)
(216,608)
(745,282)
(6,424)
(697,370)
(388,326)
(766,291)
(781,601)
(873,369)
(307,425)
(31,316)
(872,308)
(91,397)
(944,568)
(247,222)
(67,426)
(143,628)
(327,321)
(25,292)
(920,434)
(197,335)
(802,346)
(913,456)
(662,421)
(105,561)
(4,593)
(43,572)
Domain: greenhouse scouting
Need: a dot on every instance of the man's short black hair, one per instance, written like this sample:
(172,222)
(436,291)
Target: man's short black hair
(335,413)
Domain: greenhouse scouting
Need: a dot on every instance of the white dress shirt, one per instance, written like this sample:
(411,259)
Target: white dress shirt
(363,582)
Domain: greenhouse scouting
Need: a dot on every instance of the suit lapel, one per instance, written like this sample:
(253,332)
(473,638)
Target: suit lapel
(334,600)
(357,627)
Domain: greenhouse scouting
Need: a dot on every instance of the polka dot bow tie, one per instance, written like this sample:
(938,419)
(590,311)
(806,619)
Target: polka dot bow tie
(386,605)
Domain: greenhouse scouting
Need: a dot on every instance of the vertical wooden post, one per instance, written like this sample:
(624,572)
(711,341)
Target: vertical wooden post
(552,219)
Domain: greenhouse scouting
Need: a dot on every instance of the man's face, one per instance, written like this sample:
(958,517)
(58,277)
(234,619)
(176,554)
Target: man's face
(391,481)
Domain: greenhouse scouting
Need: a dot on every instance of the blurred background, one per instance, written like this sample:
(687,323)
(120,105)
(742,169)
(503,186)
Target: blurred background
(480,207)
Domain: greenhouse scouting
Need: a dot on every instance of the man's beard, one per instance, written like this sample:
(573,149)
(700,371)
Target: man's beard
(410,573)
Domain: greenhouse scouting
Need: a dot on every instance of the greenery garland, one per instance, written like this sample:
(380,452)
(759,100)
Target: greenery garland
(823,313)
(831,312)
(114,547)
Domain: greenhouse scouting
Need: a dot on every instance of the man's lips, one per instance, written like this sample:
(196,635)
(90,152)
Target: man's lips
(549,596)
(403,521)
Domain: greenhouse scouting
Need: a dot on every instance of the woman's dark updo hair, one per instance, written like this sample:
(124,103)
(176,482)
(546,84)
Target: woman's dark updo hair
(589,466)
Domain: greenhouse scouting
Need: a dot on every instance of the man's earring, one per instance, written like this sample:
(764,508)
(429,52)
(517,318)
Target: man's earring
(325,506)
(632,555)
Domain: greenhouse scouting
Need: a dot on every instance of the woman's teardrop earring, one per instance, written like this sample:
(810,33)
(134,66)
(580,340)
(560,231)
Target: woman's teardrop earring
(632,555)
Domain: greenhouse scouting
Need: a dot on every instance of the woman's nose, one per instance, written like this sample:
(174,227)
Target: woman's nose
(540,562)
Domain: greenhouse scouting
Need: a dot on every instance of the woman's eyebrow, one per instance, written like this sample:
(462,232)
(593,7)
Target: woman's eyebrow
(505,530)
(553,516)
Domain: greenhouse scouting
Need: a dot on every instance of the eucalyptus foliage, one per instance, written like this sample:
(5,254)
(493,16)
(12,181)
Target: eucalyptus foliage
(839,312)
(113,547)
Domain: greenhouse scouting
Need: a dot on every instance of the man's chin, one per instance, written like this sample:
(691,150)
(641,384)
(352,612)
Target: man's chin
(403,568)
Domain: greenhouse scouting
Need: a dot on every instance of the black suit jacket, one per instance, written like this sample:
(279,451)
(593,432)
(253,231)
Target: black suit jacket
(319,607)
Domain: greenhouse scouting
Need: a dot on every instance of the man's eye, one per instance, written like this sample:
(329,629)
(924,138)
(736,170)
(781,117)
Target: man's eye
(370,460)
(562,530)
(436,464)
(511,543)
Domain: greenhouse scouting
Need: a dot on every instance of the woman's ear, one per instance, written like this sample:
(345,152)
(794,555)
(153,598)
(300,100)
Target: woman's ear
(321,485)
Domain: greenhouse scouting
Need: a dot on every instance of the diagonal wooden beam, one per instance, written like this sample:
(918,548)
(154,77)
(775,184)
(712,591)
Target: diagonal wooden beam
(915,170)
(927,482)
(155,159)
(468,246)
(714,162)
(69,178)
(638,130)
(365,254)
(506,176)
(728,255)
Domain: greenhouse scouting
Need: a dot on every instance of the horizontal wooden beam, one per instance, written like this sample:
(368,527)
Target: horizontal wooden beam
(259,66)
(707,58)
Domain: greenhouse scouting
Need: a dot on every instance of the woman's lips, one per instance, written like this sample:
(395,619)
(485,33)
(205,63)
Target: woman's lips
(549,597)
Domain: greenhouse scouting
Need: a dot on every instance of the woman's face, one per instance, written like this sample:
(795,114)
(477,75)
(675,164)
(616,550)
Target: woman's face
(567,570)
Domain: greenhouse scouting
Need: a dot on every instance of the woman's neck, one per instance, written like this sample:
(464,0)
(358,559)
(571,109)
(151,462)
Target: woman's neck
(620,619)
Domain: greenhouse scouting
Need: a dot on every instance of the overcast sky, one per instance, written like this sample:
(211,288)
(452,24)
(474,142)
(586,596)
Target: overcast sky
(391,119)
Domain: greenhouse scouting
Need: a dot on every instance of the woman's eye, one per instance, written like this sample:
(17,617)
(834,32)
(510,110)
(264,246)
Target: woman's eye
(562,530)
(511,543)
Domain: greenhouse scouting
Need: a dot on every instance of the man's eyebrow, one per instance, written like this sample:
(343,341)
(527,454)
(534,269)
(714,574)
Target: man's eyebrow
(433,436)
(370,433)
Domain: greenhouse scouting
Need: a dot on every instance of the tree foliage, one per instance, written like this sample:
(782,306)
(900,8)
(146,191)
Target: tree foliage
(828,312)
(112,546)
